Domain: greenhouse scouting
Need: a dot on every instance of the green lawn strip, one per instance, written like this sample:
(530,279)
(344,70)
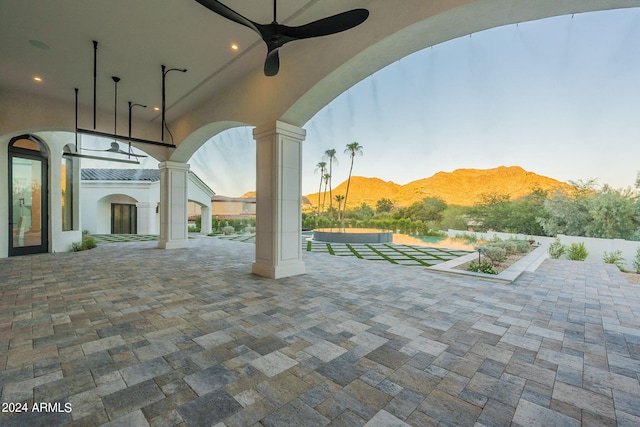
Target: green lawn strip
(407,255)
(354,251)
(392,261)
(119,238)
(330,249)
(433,253)
(452,254)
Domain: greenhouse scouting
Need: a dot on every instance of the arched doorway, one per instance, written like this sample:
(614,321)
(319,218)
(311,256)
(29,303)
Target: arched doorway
(28,218)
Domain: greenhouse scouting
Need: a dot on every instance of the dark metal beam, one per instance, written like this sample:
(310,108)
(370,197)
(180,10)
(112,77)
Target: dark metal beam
(123,138)
(106,159)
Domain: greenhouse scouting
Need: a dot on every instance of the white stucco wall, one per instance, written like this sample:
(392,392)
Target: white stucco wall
(198,192)
(97,197)
(595,246)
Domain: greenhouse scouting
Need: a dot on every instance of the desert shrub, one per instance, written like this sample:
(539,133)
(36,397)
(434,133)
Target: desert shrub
(577,252)
(481,267)
(496,254)
(557,249)
(521,246)
(309,222)
(86,243)
(636,260)
(615,258)
(508,246)
(228,229)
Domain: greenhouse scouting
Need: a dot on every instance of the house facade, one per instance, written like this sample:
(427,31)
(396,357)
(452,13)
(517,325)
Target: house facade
(126,201)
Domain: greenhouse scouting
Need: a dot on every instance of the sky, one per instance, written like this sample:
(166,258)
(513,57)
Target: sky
(559,97)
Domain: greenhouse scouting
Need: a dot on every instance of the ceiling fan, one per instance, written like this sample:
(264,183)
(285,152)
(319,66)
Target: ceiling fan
(276,35)
(115,148)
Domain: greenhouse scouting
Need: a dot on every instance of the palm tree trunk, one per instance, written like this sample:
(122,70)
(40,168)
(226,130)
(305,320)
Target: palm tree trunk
(324,198)
(346,196)
(330,187)
(319,191)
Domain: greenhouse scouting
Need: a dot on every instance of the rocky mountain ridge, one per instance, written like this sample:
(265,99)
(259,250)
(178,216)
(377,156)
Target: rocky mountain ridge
(463,187)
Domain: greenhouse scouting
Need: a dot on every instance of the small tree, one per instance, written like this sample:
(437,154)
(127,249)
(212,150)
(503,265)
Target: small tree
(384,205)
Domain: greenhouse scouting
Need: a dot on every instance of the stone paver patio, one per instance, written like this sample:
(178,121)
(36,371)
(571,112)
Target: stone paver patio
(126,334)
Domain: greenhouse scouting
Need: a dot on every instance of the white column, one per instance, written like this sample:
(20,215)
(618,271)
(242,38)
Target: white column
(174,178)
(205,223)
(278,193)
(144,212)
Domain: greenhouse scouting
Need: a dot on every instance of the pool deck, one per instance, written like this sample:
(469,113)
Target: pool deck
(127,334)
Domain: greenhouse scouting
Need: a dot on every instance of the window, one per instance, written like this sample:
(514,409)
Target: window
(67,190)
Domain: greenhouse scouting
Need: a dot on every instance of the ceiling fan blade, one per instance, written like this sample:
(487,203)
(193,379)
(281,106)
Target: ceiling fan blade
(331,25)
(227,12)
(272,63)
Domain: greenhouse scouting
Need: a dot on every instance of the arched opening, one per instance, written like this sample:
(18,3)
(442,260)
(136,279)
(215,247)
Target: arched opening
(117,214)
(28,201)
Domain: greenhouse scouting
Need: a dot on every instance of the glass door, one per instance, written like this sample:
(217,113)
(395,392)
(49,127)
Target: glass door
(123,219)
(28,201)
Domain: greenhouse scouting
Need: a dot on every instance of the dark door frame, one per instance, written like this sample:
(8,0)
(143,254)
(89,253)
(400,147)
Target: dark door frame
(43,157)
(133,218)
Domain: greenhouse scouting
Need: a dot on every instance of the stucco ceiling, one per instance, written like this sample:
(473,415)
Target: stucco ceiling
(135,39)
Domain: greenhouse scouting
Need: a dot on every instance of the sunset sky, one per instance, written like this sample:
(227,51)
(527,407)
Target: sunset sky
(559,97)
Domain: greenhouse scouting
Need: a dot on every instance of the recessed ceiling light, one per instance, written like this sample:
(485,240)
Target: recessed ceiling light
(38,79)
(156,108)
(39,44)
(234,46)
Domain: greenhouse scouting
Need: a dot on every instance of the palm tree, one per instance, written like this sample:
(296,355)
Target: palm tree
(352,149)
(331,156)
(320,167)
(339,199)
(326,178)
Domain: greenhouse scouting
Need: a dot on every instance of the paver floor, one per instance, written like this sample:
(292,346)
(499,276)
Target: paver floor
(127,334)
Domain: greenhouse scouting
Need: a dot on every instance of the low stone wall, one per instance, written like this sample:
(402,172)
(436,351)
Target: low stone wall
(326,235)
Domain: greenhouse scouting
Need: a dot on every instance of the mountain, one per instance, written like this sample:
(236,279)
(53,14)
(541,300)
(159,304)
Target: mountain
(463,187)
